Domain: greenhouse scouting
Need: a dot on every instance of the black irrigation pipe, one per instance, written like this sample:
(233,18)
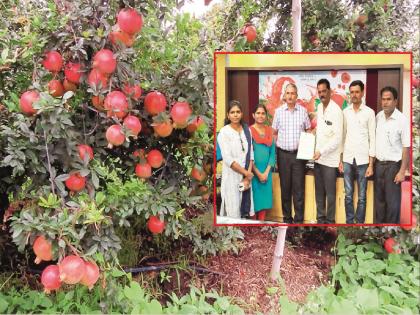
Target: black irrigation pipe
(135,270)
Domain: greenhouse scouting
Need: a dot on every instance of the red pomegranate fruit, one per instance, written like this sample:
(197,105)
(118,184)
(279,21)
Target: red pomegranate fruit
(69,86)
(129,21)
(155,158)
(96,78)
(132,123)
(72,269)
(133,91)
(115,136)
(73,72)
(26,102)
(143,170)
(55,88)
(180,112)
(42,249)
(91,274)
(251,33)
(198,173)
(116,104)
(389,246)
(155,225)
(53,61)
(345,77)
(163,129)
(119,37)
(155,103)
(104,61)
(195,124)
(50,278)
(75,182)
(98,102)
(85,150)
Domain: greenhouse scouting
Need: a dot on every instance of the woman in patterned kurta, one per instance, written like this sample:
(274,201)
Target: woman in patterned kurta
(234,148)
(264,159)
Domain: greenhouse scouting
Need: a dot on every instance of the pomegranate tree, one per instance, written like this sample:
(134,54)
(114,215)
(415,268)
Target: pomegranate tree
(250,33)
(133,91)
(55,88)
(133,125)
(180,113)
(391,246)
(117,36)
(143,170)
(97,78)
(73,72)
(85,150)
(198,173)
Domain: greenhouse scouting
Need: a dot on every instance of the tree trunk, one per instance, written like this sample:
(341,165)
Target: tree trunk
(296,25)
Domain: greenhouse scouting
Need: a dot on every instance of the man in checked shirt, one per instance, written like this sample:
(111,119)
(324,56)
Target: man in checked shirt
(289,121)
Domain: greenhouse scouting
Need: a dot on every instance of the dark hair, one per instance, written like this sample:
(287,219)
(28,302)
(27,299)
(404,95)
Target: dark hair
(231,105)
(390,89)
(324,81)
(260,106)
(359,83)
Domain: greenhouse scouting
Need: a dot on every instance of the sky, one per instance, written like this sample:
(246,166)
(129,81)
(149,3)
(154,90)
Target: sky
(197,7)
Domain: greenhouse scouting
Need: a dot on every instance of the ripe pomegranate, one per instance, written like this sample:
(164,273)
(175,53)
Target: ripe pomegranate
(155,103)
(133,91)
(251,33)
(96,77)
(50,278)
(390,244)
(155,158)
(91,274)
(155,225)
(72,269)
(116,104)
(73,72)
(198,173)
(345,77)
(163,129)
(105,61)
(129,21)
(55,88)
(26,101)
(115,136)
(75,182)
(361,20)
(119,37)
(195,125)
(204,192)
(69,86)
(413,223)
(98,102)
(85,149)
(143,170)
(132,123)
(42,249)
(180,112)
(53,61)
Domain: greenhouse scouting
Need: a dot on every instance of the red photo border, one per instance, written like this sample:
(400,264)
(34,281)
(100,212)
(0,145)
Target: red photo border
(307,53)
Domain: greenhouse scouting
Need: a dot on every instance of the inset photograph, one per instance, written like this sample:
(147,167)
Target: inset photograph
(313,138)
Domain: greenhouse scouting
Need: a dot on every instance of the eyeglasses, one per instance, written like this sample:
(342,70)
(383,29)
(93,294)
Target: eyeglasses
(242,144)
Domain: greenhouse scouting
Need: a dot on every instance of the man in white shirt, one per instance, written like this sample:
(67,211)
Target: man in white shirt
(392,157)
(329,134)
(358,151)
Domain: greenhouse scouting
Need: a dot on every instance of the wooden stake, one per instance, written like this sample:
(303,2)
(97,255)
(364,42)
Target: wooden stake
(278,252)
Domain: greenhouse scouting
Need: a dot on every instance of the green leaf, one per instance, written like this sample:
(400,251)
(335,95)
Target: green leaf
(153,307)
(287,307)
(3,304)
(367,299)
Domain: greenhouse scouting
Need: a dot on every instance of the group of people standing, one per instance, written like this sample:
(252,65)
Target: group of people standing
(351,141)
